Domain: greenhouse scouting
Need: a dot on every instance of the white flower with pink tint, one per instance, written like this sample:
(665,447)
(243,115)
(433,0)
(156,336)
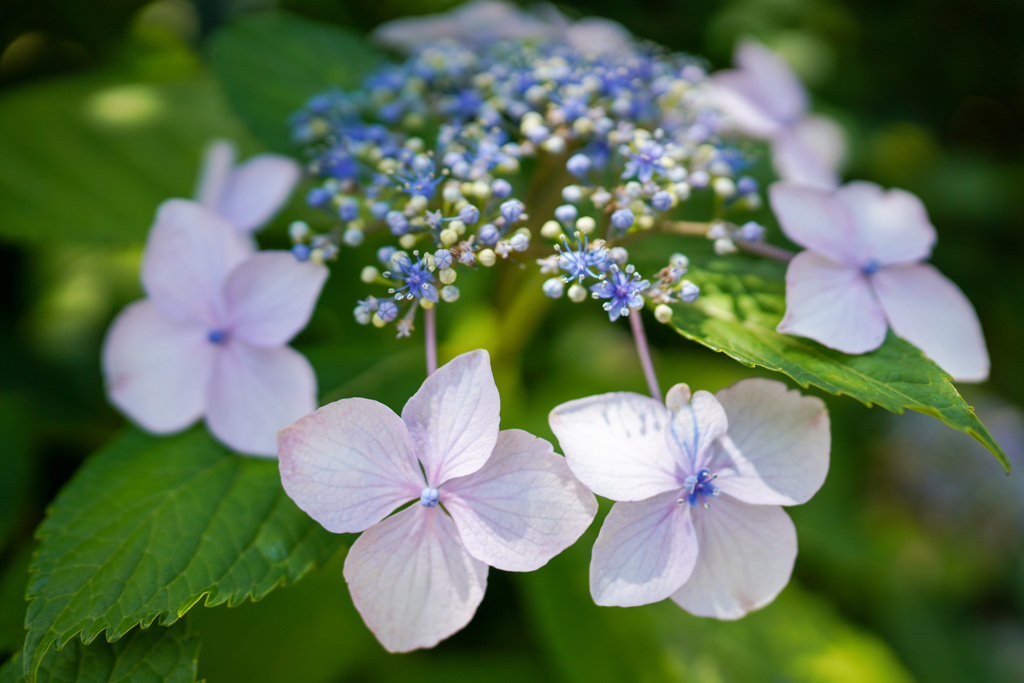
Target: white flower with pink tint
(210,338)
(479,497)
(700,484)
(764,99)
(249,194)
(861,274)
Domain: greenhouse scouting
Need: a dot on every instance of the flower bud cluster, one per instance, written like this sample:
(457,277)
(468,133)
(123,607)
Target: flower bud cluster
(425,151)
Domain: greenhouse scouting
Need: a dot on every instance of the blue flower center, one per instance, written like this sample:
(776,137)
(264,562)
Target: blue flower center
(216,336)
(871,267)
(429,497)
(699,488)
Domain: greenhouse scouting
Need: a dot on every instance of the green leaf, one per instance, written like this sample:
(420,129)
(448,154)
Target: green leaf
(94,155)
(271,63)
(149,526)
(155,655)
(741,302)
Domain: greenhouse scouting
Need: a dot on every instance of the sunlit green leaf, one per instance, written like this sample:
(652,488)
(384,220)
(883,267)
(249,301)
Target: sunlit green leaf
(89,158)
(271,63)
(150,526)
(742,302)
(154,655)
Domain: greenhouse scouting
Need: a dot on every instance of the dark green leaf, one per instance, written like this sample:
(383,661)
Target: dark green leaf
(149,526)
(737,313)
(154,655)
(271,63)
(89,158)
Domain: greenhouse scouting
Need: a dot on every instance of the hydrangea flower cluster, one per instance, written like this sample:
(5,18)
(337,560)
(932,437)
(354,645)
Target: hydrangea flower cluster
(430,151)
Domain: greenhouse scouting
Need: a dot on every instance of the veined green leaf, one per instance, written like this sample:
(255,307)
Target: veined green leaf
(271,63)
(154,655)
(150,526)
(737,313)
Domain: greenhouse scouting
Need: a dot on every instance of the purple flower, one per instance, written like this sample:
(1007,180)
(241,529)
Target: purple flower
(624,290)
(764,99)
(247,195)
(861,274)
(701,483)
(480,497)
(210,339)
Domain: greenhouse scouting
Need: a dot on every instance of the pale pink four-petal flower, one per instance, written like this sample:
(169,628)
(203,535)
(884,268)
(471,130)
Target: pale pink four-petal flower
(482,497)
(700,484)
(861,274)
(210,339)
(249,194)
(764,99)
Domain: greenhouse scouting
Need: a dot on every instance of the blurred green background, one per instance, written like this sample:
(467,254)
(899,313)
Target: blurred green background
(911,563)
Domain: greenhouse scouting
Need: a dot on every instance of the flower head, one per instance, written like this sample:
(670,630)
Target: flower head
(210,339)
(861,274)
(480,497)
(247,195)
(700,482)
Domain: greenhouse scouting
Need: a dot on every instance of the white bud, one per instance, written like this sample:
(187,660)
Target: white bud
(551,230)
(554,287)
(724,187)
(450,293)
(724,246)
(586,225)
(486,257)
(449,237)
(662,313)
(447,276)
(369,274)
(451,193)
(298,231)
(482,189)
(353,237)
(577,292)
(407,241)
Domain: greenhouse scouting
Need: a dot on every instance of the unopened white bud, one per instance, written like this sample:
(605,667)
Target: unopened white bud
(449,237)
(662,313)
(369,274)
(447,276)
(551,230)
(577,293)
(486,257)
(407,241)
(586,225)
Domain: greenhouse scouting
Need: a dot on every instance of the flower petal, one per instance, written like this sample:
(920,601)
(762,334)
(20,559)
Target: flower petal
(618,444)
(777,450)
(808,152)
(349,464)
(738,94)
(257,189)
(832,304)
(218,160)
(188,256)
(814,219)
(927,309)
(522,508)
(156,368)
(453,418)
(780,92)
(892,225)
(695,426)
(255,391)
(746,559)
(412,580)
(646,550)
(270,297)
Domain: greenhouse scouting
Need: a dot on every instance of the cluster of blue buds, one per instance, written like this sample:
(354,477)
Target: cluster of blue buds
(430,153)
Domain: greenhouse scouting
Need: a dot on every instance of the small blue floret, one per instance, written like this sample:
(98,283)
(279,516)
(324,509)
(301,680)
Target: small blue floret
(429,497)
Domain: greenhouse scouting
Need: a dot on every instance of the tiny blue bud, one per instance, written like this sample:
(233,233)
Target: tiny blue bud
(662,200)
(443,259)
(301,252)
(501,188)
(519,242)
(512,210)
(700,179)
(387,310)
(318,196)
(554,287)
(379,209)
(353,237)
(578,165)
(746,185)
(469,214)
(348,209)
(429,497)
(489,234)
(751,232)
(384,255)
(397,222)
(689,292)
(566,214)
(622,219)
